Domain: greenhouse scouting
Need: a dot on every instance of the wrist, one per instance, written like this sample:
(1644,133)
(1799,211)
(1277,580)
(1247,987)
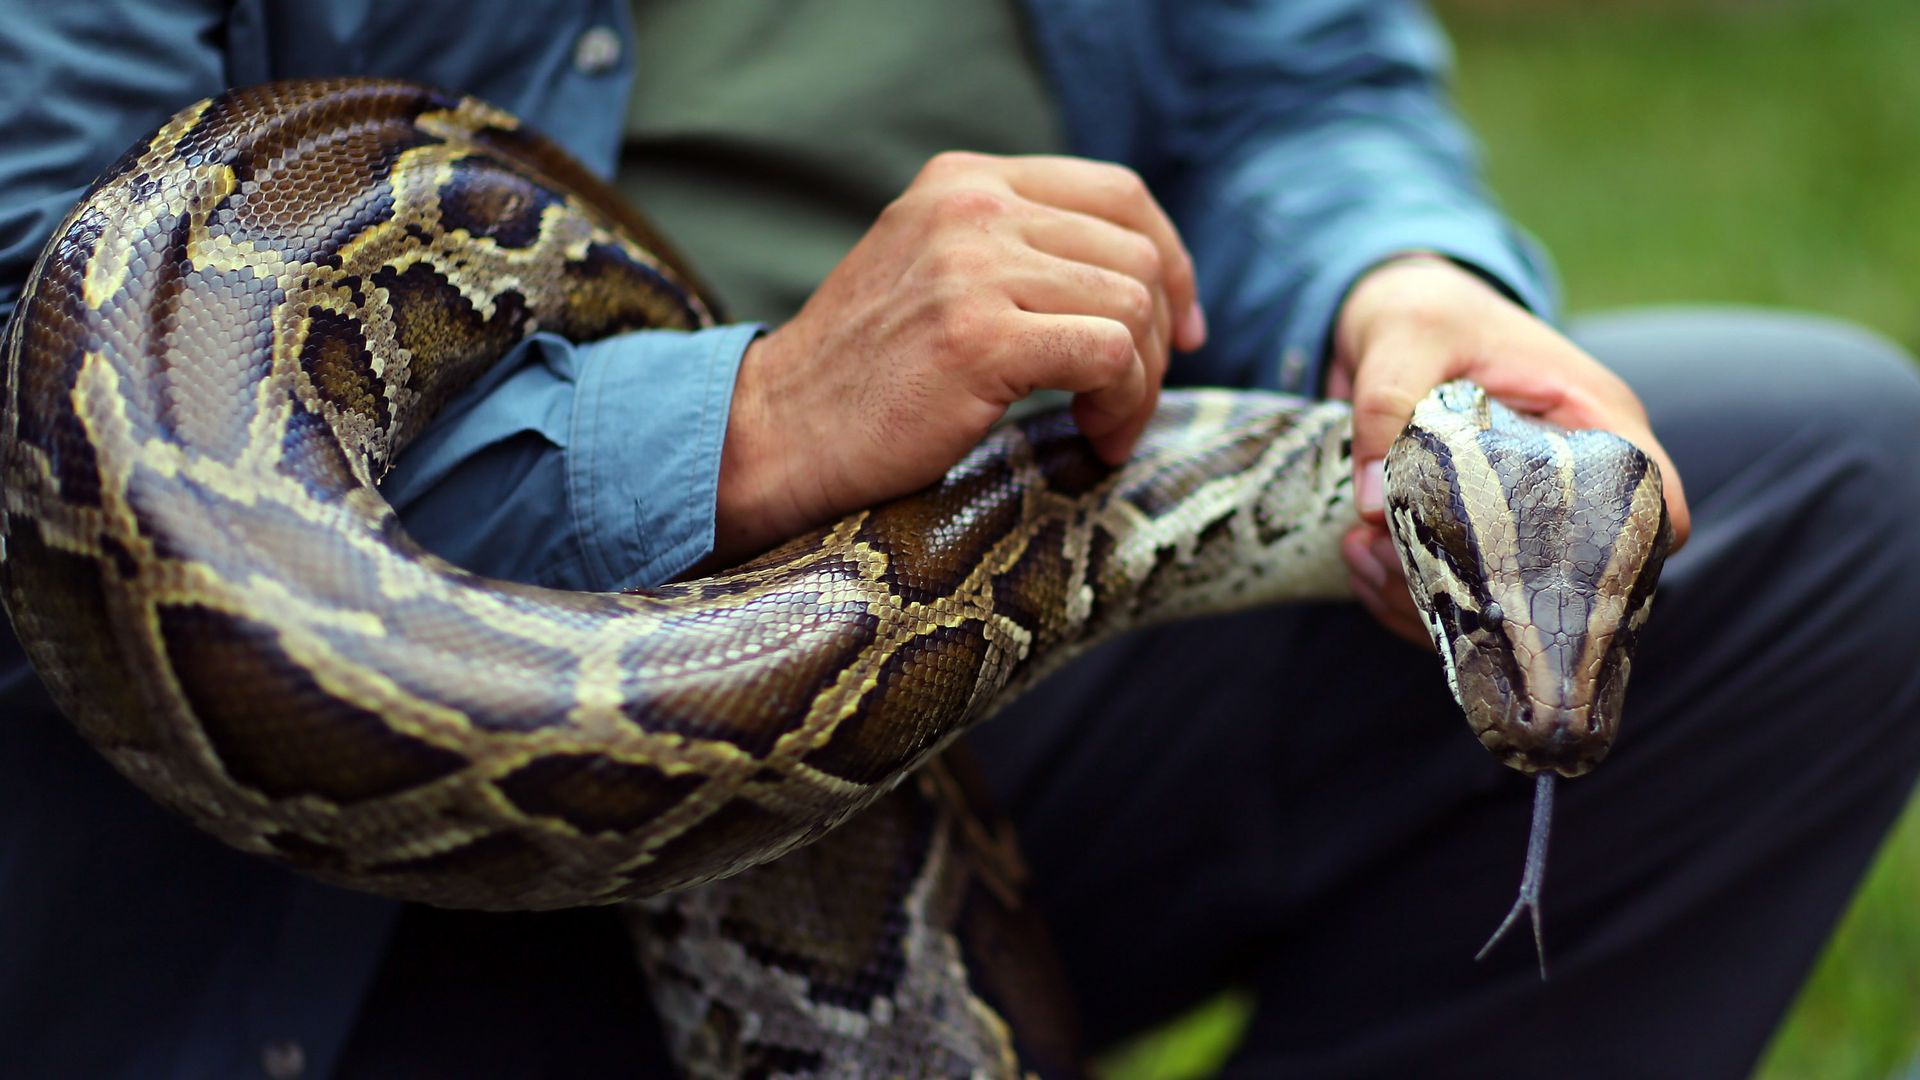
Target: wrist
(755,505)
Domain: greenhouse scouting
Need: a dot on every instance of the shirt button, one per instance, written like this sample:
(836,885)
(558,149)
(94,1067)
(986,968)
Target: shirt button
(283,1060)
(597,51)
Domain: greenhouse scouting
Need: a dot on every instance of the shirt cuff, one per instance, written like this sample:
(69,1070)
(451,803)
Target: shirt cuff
(577,466)
(643,463)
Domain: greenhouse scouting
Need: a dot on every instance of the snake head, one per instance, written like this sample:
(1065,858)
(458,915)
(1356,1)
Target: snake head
(1532,552)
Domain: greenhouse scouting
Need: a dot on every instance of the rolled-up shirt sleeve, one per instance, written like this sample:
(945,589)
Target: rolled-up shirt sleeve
(578,466)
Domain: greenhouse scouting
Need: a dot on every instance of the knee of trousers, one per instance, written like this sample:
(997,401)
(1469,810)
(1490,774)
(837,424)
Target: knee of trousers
(1828,513)
(1859,398)
(1726,386)
(1834,574)
(1851,400)
(1787,625)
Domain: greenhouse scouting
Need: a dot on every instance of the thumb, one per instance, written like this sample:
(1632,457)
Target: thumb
(1388,381)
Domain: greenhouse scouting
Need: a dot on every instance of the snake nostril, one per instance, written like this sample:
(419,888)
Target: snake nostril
(1569,737)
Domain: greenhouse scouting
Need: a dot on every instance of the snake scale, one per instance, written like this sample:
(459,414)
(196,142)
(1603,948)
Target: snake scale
(249,315)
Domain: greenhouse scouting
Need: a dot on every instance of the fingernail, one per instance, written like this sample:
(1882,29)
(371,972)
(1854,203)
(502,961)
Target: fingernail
(1369,487)
(1193,326)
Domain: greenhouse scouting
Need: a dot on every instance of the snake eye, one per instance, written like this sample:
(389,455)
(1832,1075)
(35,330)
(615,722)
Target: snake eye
(1481,620)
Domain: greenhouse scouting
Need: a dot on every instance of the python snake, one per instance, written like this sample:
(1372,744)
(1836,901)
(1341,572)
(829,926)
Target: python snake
(246,319)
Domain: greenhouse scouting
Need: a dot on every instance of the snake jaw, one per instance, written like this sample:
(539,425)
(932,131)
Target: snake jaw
(1511,721)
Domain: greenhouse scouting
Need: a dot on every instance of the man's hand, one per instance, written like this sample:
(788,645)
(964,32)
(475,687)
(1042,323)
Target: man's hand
(988,278)
(1416,322)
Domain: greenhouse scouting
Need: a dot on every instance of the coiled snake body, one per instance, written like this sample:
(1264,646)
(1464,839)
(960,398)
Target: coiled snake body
(252,312)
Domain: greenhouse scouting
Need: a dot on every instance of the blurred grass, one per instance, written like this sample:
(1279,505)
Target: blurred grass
(1742,151)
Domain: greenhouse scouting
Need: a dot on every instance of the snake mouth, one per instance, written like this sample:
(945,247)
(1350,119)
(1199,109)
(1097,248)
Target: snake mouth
(1565,741)
(1532,719)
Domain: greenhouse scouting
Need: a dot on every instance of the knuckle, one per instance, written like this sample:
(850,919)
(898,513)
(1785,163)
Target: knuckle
(1427,314)
(1121,182)
(1383,405)
(968,206)
(1136,303)
(961,333)
(900,207)
(1110,350)
(949,162)
(1147,262)
(952,270)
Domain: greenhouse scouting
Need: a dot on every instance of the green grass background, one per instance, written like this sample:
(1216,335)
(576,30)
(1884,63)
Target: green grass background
(1747,151)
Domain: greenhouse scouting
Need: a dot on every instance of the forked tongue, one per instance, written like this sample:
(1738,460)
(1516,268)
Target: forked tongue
(1531,878)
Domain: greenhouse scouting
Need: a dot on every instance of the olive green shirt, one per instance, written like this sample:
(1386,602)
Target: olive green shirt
(765,138)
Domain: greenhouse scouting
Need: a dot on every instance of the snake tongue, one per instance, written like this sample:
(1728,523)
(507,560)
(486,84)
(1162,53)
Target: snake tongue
(1531,878)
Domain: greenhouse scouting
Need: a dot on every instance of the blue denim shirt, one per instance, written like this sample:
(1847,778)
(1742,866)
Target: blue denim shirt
(1295,144)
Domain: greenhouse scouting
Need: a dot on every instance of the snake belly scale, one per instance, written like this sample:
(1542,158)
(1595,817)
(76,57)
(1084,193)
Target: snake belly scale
(251,313)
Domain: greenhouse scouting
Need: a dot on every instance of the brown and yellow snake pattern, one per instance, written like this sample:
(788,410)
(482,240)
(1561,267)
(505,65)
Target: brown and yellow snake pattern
(231,337)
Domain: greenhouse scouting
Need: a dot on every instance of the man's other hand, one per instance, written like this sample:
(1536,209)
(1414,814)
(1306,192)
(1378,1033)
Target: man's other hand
(1418,321)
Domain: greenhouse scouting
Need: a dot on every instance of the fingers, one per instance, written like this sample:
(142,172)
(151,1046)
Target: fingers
(1416,322)
(1053,285)
(1374,574)
(1094,357)
(1116,194)
(1060,286)
(1110,252)
(1384,394)
(1085,238)
(1082,238)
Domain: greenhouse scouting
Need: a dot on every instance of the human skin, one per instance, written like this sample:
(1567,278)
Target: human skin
(1417,321)
(987,279)
(992,277)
